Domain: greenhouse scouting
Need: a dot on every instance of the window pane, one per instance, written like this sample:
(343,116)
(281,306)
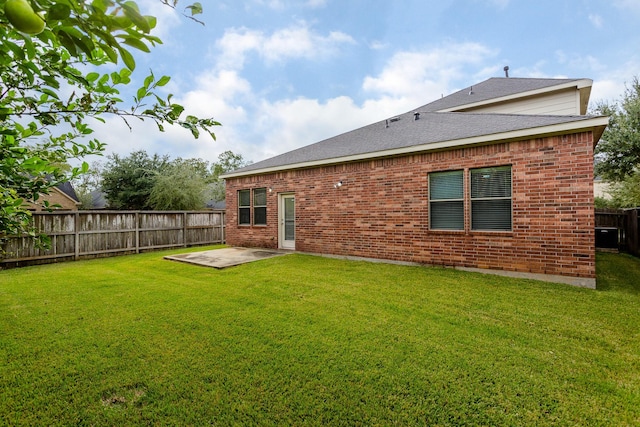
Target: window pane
(260,197)
(447,215)
(491,182)
(260,216)
(244,198)
(445,185)
(491,199)
(244,216)
(491,214)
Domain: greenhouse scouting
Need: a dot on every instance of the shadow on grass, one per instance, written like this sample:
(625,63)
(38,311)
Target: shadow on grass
(618,272)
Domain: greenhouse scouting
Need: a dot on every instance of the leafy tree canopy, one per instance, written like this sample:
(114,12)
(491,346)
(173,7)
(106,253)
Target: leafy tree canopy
(181,186)
(618,151)
(227,161)
(50,84)
(128,181)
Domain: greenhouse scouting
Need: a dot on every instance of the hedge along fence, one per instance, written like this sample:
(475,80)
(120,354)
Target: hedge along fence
(89,234)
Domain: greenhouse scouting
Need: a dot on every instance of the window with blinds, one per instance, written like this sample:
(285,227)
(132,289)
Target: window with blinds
(244,207)
(260,206)
(491,199)
(446,200)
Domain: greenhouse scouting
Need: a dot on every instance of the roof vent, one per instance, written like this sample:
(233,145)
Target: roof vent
(506,71)
(416,116)
(471,90)
(394,119)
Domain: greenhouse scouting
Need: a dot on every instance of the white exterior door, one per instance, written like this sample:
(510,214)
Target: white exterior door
(287,225)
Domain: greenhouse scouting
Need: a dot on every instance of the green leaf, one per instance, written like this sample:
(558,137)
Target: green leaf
(131,11)
(92,77)
(58,12)
(163,81)
(152,21)
(148,80)
(142,92)
(127,58)
(111,53)
(137,43)
(196,8)
(101,5)
(115,78)
(68,43)
(49,92)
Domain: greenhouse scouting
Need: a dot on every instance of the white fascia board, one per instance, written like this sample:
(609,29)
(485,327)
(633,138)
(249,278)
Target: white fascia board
(496,138)
(578,84)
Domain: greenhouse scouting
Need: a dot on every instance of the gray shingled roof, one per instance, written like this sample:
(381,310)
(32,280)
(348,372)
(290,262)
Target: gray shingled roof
(496,87)
(407,132)
(432,127)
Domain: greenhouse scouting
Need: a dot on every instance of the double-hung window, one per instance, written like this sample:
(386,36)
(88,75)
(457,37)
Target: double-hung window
(244,207)
(488,199)
(446,200)
(260,206)
(491,199)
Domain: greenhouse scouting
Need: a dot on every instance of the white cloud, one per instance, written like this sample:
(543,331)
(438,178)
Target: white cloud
(259,128)
(610,84)
(281,4)
(424,75)
(378,45)
(316,3)
(596,20)
(628,5)
(500,4)
(297,41)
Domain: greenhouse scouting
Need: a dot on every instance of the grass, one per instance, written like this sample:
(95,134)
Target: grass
(303,340)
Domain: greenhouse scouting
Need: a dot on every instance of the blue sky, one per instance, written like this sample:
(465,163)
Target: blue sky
(280,74)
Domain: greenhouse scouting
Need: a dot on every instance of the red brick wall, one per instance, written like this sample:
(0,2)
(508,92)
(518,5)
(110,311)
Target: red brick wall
(381,210)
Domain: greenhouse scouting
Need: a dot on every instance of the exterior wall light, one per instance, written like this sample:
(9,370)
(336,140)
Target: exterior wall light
(337,184)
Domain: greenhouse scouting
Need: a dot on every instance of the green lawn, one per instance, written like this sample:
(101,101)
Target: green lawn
(303,340)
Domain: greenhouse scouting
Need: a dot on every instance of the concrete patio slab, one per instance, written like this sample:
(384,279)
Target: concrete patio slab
(226,257)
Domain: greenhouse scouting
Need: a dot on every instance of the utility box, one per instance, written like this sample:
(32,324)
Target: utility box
(606,238)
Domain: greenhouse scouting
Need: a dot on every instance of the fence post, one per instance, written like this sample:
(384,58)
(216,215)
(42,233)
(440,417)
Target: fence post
(76,243)
(137,219)
(184,229)
(223,224)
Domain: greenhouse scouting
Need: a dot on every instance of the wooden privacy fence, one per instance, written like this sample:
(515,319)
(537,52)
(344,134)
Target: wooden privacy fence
(87,234)
(626,223)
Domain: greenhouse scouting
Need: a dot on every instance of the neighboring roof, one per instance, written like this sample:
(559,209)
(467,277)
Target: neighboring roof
(67,189)
(216,204)
(499,89)
(432,131)
(98,199)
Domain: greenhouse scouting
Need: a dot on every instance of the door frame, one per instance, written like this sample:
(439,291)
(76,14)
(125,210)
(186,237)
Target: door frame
(282,243)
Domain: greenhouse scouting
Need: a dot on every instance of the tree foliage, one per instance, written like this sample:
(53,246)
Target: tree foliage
(128,181)
(625,193)
(51,84)
(618,151)
(227,162)
(181,186)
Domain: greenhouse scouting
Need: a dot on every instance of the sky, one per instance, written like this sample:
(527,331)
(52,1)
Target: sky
(281,74)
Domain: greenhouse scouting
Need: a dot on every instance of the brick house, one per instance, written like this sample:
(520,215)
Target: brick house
(497,177)
(62,196)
